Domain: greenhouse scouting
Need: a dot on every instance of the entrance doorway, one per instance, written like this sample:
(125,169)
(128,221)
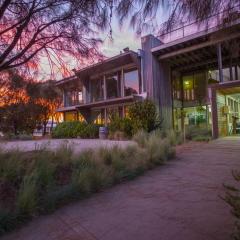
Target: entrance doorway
(228,110)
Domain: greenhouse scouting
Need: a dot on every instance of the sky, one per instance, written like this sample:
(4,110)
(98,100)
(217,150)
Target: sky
(123,37)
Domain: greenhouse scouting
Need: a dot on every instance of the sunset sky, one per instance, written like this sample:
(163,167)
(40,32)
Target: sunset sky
(122,37)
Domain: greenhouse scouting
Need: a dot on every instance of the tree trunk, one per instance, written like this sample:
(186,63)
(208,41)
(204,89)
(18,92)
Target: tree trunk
(44,128)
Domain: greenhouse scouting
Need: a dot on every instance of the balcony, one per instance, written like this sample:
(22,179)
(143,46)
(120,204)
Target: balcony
(215,21)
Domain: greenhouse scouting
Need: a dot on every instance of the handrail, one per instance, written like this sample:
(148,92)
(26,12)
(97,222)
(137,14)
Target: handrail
(209,23)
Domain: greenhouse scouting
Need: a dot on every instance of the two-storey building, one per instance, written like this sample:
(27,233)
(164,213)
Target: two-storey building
(192,74)
(97,91)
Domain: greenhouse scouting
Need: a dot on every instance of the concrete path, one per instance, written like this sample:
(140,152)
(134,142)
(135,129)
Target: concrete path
(77,144)
(179,201)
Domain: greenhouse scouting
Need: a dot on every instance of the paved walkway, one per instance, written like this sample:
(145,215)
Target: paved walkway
(179,201)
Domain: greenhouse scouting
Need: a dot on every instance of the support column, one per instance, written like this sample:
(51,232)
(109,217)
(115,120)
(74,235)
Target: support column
(122,83)
(104,88)
(236,72)
(214,113)
(219,54)
(105,117)
(64,98)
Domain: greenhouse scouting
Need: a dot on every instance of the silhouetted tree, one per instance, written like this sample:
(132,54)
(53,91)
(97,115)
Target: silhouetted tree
(33,29)
(26,104)
(144,13)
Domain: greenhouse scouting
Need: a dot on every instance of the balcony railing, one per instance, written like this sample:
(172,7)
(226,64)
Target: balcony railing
(199,26)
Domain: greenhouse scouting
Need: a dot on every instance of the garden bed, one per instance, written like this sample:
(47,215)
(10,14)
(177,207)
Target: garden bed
(38,182)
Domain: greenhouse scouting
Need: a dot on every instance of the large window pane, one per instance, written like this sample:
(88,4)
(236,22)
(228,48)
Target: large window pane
(99,116)
(73,98)
(113,85)
(131,83)
(70,116)
(188,88)
(96,89)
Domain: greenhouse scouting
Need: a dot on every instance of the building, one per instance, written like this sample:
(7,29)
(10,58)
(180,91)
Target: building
(191,73)
(101,89)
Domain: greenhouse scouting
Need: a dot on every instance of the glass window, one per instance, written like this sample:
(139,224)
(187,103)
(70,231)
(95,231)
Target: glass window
(96,88)
(70,116)
(188,87)
(194,86)
(99,116)
(113,85)
(73,98)
(131,81)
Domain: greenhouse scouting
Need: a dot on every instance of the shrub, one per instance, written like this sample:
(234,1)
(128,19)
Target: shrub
(27,198)
(157,149)
(120,127)
(11,167)
(12,137)
(198,133)
(144,116)
(141,137)
(42,180)
(75,129)
(232,198)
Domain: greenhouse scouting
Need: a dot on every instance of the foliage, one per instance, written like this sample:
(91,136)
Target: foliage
(141,138)
(26,104)
(118,124)
(75,129)
(144,116)
(179,11)
(198,133)
(40,181)
(57,28)
(232,198)
(49,29)
(48,97)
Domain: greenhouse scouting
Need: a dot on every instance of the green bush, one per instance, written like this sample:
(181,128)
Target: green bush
(27,197)
(42,180)
(75,129)
(118,124)
(12,137)
(198,133)
(141,138)
(144,116)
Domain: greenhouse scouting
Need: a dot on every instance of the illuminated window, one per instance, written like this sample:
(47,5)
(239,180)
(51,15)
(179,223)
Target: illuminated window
(100,116)
(70,116)
(188,87)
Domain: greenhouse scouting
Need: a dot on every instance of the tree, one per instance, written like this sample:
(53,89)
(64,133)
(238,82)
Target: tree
(33,29)
(143,13)
(52,29)
(26,104)
(48,97)
(17,113)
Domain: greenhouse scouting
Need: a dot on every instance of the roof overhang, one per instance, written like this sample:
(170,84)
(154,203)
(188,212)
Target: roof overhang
(226,85)
(66,109)
(215,34)
(66,80)
(109,64)
(201,52)
(108,102)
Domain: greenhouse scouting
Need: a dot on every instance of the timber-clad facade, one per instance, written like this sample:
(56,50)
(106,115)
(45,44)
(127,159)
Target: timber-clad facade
(193,78)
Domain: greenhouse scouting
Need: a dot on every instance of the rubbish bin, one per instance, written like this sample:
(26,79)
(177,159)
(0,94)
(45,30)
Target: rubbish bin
(103,132)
